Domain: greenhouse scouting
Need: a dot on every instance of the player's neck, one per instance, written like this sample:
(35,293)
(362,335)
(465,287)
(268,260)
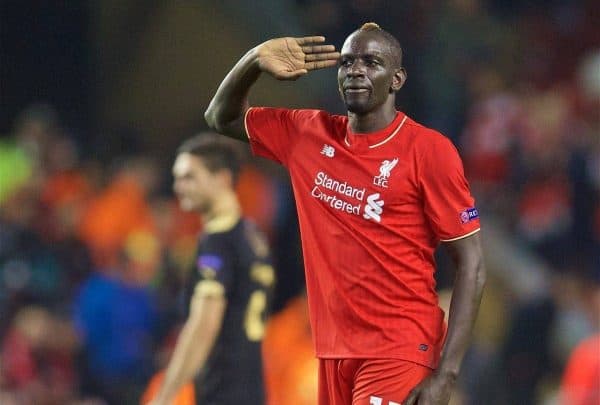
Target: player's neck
(372,121)
(224,213)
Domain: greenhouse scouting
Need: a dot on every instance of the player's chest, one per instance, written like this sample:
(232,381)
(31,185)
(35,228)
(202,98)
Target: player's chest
(368,186)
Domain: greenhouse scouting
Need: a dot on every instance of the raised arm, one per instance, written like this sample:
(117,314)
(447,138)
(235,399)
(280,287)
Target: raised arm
(468,288)
(283,58)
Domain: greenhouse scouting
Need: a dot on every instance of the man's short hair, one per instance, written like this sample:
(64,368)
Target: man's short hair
(394,45)
(216,151)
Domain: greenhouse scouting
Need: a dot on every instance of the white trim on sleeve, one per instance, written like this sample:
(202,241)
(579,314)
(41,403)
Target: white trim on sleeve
(245,125)
(461,237)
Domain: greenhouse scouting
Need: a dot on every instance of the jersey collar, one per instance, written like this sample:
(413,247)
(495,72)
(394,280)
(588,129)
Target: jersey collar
(372,140)
(221,223)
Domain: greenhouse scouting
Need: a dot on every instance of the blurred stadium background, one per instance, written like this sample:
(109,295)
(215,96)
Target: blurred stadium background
(96,95)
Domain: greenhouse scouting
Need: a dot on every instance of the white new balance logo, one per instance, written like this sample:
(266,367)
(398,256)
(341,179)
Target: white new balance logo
(373,208)
(328,151)
(384,172)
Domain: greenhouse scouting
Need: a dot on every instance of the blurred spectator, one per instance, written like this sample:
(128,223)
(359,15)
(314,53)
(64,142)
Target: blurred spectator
(581,377)
(462,37)
(116,318)
(35,130)
(581,381)
(37,359)
(15,168)
(121,208)
(488,144)
(29,270)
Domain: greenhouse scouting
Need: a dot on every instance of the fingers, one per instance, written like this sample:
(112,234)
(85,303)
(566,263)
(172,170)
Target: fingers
(322,56)
(322,64)
(308,46)
(317,56)
(318,49)
(310,40)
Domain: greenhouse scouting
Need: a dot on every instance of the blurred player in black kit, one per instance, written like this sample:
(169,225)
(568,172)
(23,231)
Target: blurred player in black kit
(220,344)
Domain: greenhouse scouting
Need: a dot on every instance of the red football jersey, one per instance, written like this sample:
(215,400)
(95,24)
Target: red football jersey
(372,208)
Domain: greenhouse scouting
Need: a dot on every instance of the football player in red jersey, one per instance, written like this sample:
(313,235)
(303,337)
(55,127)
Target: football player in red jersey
(376,193)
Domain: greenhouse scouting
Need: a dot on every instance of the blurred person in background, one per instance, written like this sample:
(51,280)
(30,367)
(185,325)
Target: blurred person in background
(119,209)
(42,263)
(116,318)
(29,269)
(219,346)
(37,359)
(376,320)
(580,383)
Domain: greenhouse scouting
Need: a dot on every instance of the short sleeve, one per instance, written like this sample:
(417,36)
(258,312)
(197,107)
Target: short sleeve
(448,204)
(215,274)
(272,132)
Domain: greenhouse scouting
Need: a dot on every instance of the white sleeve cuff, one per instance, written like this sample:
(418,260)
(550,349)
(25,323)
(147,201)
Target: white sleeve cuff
(461,237)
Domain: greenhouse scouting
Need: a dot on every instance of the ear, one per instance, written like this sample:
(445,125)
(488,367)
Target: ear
(398,79)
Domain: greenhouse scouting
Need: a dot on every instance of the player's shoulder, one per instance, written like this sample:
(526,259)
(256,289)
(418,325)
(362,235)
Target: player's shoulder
(424,133)
(302,115)
(248,225)
(254,237)
(426,138)
(320,115)
(221,235)
(320,120)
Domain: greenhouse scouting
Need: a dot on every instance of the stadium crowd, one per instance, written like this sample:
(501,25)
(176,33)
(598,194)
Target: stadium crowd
(93,253)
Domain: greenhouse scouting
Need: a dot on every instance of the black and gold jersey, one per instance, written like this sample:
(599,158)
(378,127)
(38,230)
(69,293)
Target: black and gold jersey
(235,261)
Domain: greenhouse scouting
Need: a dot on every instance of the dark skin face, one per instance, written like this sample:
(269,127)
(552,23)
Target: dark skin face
(368,79)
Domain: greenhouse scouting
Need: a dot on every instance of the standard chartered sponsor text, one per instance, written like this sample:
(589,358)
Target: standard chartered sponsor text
(341,187)
(335,202)
(324,183)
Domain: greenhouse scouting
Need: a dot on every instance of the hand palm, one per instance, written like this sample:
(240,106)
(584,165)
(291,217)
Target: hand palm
(282,55)
(289,58)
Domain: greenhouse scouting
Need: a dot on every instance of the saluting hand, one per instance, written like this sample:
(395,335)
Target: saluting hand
(289,58)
